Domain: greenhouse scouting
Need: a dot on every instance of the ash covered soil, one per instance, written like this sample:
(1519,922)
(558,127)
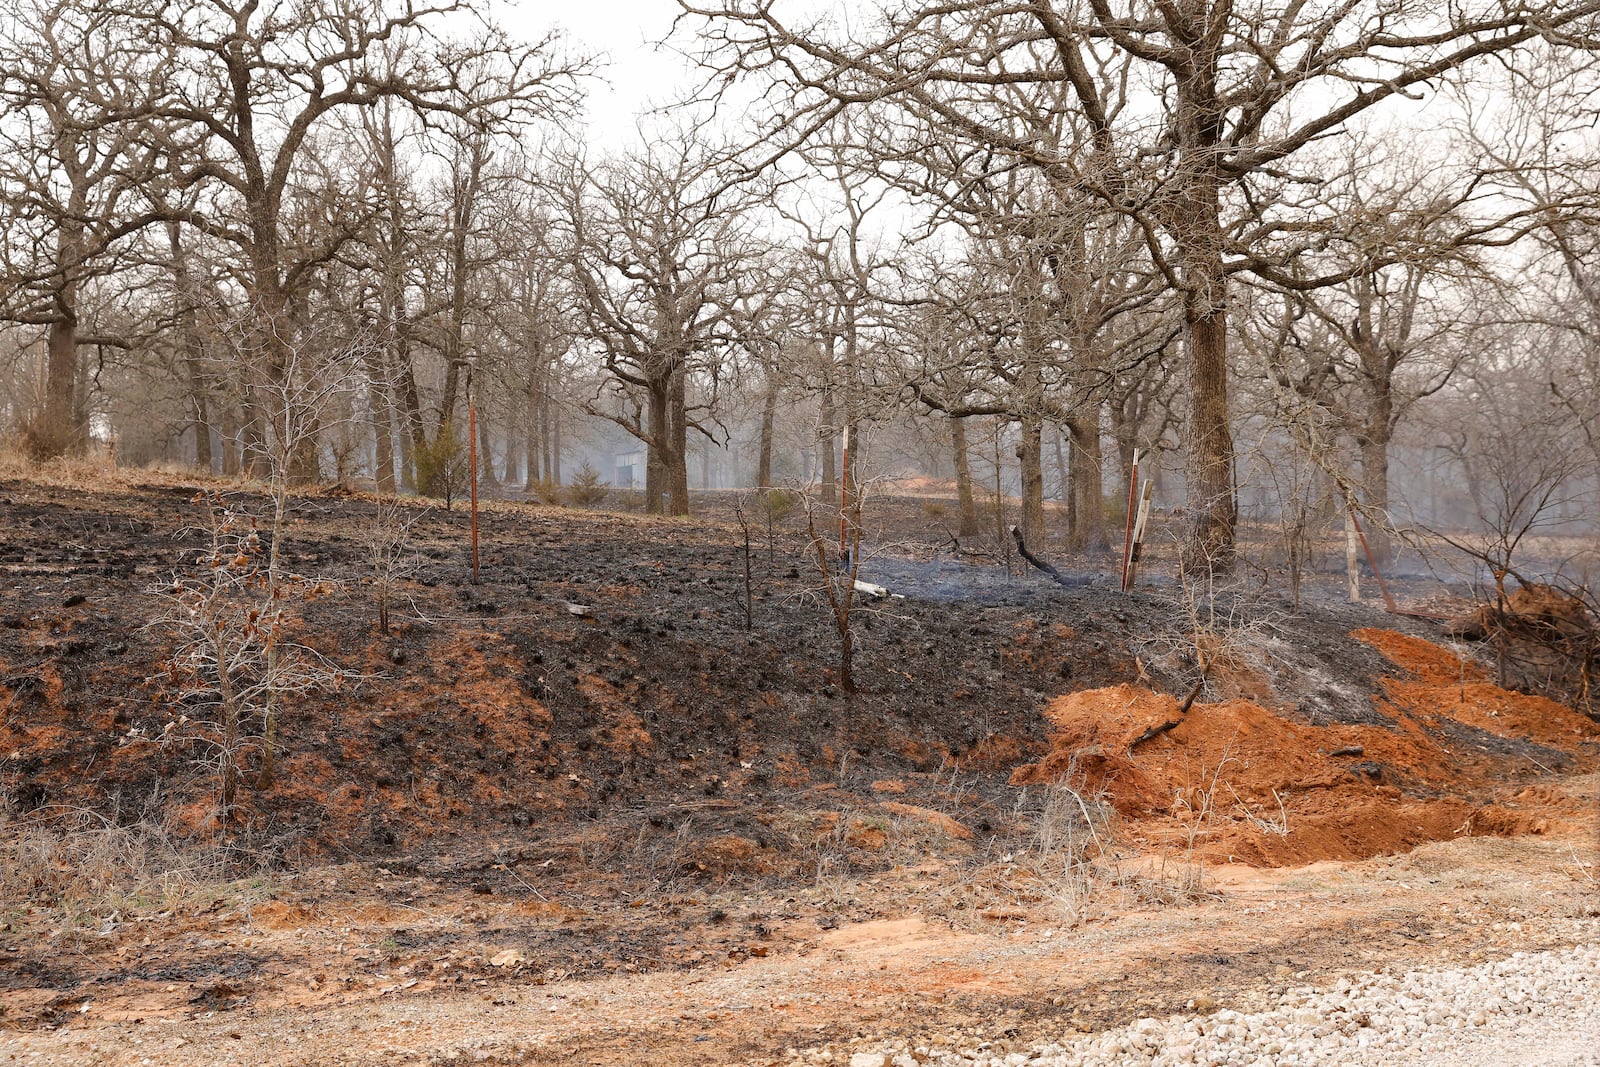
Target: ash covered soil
(587,783)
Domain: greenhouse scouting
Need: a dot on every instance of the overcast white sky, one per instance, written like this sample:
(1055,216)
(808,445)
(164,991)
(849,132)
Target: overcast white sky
(637,74)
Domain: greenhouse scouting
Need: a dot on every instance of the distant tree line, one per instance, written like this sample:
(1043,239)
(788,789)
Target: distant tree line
(1002,241)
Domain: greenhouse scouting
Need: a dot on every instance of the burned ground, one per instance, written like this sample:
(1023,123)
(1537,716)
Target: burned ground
(591,757)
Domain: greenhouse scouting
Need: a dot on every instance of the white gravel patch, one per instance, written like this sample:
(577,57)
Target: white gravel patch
(1534,1008)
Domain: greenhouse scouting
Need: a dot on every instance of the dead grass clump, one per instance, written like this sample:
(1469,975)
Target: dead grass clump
(82,867)
(1064,864)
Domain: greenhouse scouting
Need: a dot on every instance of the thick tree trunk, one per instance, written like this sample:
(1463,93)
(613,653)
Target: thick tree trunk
(305,443)
(380,412)
(655,471)
(1375,479)
(769,413)
(532,441)
(230,442)
(486,455)
(1213,506)
(56,434)
(189,336)
(414,441)
(1086,483)
(255,459)
(677,455)
(1196,228)
(451,392)
(61,386)
(1030,461)
(964,495)
(199,413)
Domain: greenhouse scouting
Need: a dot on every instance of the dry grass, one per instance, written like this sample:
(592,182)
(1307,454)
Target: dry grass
(1064,866)
(99,471)
(75,868)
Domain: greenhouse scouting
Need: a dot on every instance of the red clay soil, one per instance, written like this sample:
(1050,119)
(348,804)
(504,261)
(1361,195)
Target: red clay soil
(1238,782)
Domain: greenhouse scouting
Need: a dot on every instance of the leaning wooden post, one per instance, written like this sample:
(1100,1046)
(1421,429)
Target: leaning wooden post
(1127,532)
(1139,525)
(472,453)
(1388,598)
(1352,562)
(844,499)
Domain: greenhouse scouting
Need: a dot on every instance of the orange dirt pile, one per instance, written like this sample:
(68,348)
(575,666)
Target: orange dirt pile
(1438,689)
(1421,658)
(1237,781)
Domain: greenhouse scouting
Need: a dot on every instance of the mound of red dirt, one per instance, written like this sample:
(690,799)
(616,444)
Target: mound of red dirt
(1238,781)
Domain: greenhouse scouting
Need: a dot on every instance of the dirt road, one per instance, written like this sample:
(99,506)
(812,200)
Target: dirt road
(1004,983)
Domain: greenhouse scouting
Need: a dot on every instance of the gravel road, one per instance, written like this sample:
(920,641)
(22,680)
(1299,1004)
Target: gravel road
(1533,1008)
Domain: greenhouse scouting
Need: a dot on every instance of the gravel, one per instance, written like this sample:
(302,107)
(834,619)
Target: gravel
(1531,1008)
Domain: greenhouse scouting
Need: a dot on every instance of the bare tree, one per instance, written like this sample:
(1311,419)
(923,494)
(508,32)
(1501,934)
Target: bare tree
(1239,93)
(660,248)
(75,153)
(262,80)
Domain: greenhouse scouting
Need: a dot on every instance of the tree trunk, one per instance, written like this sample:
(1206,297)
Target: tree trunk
(486,455)
(200,420)
(968,502)
(382,430)
(1213,506)
(414,441)
(55,433)
(255,459)
(830,462)
(531,440)
(304,427)
(550,440)
(655,470)
(769,412)
(1030,461)
(230,442)
(1196,228)
(199,416)
(678,447)
(1375,478)
(1086,483)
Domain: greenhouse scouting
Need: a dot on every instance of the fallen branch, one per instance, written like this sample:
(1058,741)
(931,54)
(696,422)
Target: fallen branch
(955,547)
(1188,701)
(1154,731)
(1040,565)
(1183,709)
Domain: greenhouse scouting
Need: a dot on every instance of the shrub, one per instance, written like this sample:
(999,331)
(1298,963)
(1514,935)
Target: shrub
(443,468)
(587,489)
(547,491)
(778,504)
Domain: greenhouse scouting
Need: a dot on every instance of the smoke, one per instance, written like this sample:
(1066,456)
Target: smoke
(952,580)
